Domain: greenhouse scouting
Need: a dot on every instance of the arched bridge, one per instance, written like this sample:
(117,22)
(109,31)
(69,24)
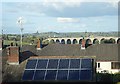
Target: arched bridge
(95,40)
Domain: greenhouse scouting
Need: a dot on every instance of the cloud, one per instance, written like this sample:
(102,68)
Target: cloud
(64,8)
(63,20)
(80,9)
(114,4)
(59,5)
(83,25)
(10,11)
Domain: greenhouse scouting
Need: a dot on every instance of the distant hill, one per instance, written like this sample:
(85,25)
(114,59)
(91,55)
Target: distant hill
(67,34)
(75,34)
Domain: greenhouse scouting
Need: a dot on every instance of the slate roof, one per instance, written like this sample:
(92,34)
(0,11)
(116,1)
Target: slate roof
(103,52)
(60,50)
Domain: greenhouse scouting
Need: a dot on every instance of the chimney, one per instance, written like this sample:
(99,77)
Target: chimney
(13,55)
(38,44)
(83,44)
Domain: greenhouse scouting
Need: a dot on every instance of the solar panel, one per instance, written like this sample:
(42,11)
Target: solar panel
(74,75)
(86,63)
(86,75)
(62,74)
(39,75)
(42,63)
(28,75)
(31,64)
(51,75)
(59,69)
(53,63)
(64,63)
(75,63)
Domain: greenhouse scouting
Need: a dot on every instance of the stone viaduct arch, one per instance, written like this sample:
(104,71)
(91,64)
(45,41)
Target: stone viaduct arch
(62,41)
(75,41)
(88,41)
(68,41)
(118,40)
(57,41)
(102,41)
(80,41)
(96,40)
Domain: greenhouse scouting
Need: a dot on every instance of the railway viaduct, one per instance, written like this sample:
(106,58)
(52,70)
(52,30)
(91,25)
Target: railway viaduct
(89,40)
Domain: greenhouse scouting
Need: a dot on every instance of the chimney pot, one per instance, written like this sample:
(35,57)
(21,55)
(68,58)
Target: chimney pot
(38,44)
(83,44)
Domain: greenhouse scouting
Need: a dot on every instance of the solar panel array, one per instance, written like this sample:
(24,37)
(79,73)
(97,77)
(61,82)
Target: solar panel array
(59,69)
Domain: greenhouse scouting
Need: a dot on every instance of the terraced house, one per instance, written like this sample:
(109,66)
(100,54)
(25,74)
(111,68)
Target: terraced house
(102,58)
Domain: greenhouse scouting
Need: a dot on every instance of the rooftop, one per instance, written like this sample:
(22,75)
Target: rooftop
(103,52)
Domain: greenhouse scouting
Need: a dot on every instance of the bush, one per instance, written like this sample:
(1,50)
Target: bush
(106,77)
(116,77)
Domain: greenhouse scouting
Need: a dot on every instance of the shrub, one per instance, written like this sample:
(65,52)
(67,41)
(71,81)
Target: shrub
(106,77)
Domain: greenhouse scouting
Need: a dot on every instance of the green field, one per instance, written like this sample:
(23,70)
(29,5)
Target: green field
(8,42)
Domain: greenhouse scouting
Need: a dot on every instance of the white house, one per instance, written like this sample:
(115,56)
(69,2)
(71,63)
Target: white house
(108,67)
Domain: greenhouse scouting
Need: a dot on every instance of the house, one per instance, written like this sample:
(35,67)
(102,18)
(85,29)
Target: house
(107,56)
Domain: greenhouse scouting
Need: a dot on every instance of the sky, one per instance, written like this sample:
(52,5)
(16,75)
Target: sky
(59,16)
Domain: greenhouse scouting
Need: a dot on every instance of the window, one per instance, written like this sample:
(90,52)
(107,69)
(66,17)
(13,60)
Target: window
(115,65)
(98,65)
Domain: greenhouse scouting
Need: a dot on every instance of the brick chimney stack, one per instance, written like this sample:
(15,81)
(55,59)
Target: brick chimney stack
(13,55)
(38,44)
(83,44)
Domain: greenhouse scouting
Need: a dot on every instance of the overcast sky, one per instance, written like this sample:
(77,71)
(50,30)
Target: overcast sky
(60,16)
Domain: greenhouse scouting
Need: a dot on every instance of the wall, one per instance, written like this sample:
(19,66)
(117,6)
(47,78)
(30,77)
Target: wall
(106,66)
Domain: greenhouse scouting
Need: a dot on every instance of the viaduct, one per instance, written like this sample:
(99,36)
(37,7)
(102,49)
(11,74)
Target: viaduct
(89,40)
